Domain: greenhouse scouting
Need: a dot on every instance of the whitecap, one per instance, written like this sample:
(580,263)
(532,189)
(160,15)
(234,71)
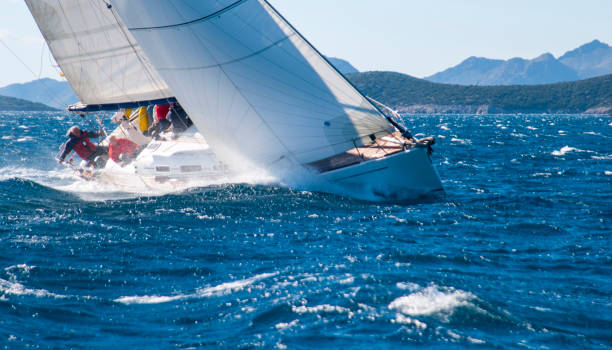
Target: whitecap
(433,300)
(399,318)
(608,157)
(149,299)
(566,149)
(475,340)
(15,288)
(462,141)
(7,137)
(541,175)
(409,286)
(230,287)
(24,267)
(324,308)
(282,325)
(222,289)
(608,173)
(24,139)
(348,280)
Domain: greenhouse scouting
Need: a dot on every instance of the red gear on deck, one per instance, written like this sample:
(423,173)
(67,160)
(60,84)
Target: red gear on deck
(123,146)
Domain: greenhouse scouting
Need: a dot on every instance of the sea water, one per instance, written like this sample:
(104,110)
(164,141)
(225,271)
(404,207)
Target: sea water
(516,256)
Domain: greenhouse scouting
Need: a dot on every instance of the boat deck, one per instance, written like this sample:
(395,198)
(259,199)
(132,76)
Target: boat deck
(379,148)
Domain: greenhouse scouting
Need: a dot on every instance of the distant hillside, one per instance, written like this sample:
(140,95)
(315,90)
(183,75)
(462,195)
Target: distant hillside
(342,65)
(589,60)
(412,95)
(57,94)
(16,104)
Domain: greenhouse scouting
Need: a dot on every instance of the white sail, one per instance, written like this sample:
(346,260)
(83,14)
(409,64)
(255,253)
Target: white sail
(99,57)
(249,81)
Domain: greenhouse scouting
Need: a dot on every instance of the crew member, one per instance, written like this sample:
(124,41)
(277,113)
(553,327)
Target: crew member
(178,118)
(119,148)
(78,140)
(161,124)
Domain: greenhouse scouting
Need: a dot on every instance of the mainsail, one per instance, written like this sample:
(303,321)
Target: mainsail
(99,57)
(249,81)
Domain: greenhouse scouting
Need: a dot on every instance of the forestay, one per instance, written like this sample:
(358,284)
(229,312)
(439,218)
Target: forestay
(99,57)
(249,81)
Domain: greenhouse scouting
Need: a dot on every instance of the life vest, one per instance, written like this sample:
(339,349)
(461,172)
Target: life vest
(123,146)
(84,148)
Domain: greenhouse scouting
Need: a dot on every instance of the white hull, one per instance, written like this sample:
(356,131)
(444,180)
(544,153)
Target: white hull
(187,161)
(404,175)
(166,165)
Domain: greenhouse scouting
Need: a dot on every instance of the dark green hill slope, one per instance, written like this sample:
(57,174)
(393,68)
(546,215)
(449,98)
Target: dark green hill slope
(16,104)
(409,94)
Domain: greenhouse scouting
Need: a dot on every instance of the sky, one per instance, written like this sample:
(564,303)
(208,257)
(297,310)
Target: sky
(414,37)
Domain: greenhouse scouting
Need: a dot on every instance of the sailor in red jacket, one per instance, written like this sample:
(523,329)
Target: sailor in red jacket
(79,142)
(118,147)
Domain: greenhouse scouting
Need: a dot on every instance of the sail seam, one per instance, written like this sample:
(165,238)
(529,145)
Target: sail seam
(147,69)
(232,61)
(381,115)
(202,19)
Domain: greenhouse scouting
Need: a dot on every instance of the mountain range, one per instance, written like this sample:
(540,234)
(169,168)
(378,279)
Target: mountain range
(342,65)
(587,61)
(17,104)
(51,92)
(413,95)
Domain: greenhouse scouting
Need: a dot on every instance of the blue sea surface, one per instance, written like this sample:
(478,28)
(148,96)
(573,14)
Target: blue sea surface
(517,255)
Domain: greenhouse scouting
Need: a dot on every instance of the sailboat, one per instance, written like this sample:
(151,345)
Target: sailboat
(108,71)
(259,93)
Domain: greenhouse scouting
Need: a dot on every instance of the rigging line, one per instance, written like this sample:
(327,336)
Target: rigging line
(290,86)
(42,54)
(307,44)
(290,72)
(45,87)
(202,19)
(234,60)
(147,69)
(324,59)
(106,34)
(227,76)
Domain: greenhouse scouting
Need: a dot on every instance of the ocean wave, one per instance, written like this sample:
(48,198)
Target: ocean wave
(433,301)
(15,288)
(566,149)
(322,309)
(219,290)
